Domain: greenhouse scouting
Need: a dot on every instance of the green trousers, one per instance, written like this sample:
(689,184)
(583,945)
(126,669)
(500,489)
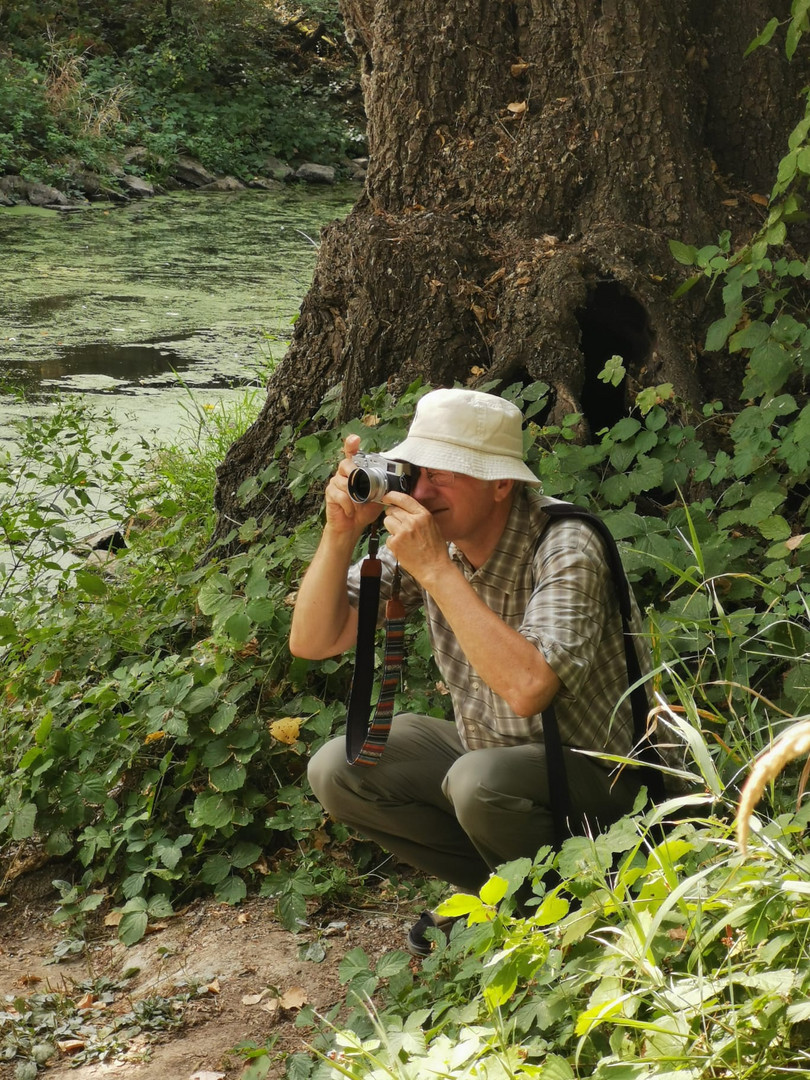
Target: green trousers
(458,814)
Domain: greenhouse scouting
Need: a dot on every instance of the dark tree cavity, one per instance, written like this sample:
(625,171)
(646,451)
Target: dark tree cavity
(529,163)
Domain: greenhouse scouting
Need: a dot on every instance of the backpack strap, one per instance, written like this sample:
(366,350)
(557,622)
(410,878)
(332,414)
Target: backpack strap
(646,749)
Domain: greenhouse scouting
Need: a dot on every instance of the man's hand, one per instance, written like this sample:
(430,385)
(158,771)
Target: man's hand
(414,538)
(342,513)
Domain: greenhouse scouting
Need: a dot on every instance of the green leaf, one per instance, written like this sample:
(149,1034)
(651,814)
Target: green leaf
(354,963)
(458,904)
(23,822)
(683,253)
(214,592)
(228,777)
(239,627)
(132,927)
(212,808)
(231,891)
(494,890)
(719,331)
(764,37)
(245,854)
(8,630)
(92,584)
(215,869)
(200,698)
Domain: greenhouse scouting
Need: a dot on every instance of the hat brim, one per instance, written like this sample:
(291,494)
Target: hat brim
(437,454)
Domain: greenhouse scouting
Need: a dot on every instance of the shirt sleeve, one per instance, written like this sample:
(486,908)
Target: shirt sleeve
(571,602)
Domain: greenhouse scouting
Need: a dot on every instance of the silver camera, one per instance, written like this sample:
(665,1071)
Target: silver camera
(375,475)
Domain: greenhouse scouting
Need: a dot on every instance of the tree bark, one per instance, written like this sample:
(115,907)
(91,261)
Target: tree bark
(529,162)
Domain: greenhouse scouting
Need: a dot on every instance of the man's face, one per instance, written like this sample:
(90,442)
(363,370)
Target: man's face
(462,506)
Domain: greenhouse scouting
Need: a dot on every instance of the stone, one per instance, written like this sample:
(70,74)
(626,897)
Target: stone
(275,169)
(224,183)
(315,174)
(192,172)
(137,186)
(45,195)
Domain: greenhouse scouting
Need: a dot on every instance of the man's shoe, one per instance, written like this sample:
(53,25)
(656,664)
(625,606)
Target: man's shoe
(416,943)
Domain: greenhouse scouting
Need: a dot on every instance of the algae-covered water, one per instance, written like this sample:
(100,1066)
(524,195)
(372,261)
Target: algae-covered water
(144,305)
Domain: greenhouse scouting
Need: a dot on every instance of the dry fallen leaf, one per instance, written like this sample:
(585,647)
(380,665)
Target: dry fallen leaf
(795,541)
(516,70)
(203,1074)
(370,420)
(760,200)
(255,999)
(517,108)
(294,998)
(70,1046)
(114,918)
(286,729)
(213,987)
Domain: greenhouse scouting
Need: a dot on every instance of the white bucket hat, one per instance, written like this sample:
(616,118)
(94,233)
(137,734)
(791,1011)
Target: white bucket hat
(466,431)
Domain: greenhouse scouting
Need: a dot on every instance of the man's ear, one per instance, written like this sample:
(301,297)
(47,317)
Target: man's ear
(503,488)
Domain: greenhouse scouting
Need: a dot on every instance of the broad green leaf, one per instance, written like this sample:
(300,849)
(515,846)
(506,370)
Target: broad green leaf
(215,869)
(212,808)
(200,698)
(494,890)
(23,822)
(683,253)
(231,891)
(132,927)
(228,777)
(92,584)
(239,627)
(458,904)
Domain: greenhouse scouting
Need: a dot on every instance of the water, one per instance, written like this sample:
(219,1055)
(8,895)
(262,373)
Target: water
(141,306)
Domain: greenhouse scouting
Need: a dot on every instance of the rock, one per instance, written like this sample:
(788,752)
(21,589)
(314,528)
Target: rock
(96,186)
(6,200)
(265,183)
(275,169)
(192,172)
(45,195)
(316,174)
(13,185)
(224,183)
(137,186)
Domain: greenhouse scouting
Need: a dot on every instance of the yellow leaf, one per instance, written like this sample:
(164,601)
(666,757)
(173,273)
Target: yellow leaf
(286,729)
(154,736)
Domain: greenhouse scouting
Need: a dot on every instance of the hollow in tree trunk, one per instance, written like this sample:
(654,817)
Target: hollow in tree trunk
(529,162)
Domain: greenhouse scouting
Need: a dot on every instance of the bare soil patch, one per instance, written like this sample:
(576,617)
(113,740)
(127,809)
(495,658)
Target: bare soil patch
(246,975)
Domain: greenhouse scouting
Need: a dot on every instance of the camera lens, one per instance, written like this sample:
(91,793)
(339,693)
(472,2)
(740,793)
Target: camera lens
(367,485)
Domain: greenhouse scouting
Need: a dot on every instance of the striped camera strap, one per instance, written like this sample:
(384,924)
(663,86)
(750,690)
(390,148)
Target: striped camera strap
(366,735)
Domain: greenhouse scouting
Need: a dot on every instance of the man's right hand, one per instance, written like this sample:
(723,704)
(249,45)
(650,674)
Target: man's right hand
(343,514)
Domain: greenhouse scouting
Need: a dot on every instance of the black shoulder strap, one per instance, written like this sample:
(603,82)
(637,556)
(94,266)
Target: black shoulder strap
(645,747)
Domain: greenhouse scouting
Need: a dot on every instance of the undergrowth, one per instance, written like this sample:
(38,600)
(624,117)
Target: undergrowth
(155,729)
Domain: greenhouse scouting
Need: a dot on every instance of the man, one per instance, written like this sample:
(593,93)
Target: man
(521,613)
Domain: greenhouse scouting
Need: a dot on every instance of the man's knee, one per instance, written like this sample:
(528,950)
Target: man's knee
(323,771)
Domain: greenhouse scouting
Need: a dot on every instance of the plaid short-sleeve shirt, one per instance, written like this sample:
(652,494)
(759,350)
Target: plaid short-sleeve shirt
(552,584)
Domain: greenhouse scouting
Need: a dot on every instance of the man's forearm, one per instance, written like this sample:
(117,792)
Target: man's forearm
(324,623)
(509,664)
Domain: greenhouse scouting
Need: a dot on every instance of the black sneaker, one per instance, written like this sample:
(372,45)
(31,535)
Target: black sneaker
(416,943)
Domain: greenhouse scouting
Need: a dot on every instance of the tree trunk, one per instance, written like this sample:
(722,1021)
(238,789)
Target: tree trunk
(529,162)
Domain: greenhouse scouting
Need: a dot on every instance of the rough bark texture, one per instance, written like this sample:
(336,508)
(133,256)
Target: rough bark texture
(529,162)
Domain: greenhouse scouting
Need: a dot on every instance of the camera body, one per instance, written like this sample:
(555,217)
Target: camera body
(374,476)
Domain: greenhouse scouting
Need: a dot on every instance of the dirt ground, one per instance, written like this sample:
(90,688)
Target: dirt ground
(249,978)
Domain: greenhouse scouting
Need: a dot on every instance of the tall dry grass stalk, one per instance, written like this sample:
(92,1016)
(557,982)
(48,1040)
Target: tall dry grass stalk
(794,743)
